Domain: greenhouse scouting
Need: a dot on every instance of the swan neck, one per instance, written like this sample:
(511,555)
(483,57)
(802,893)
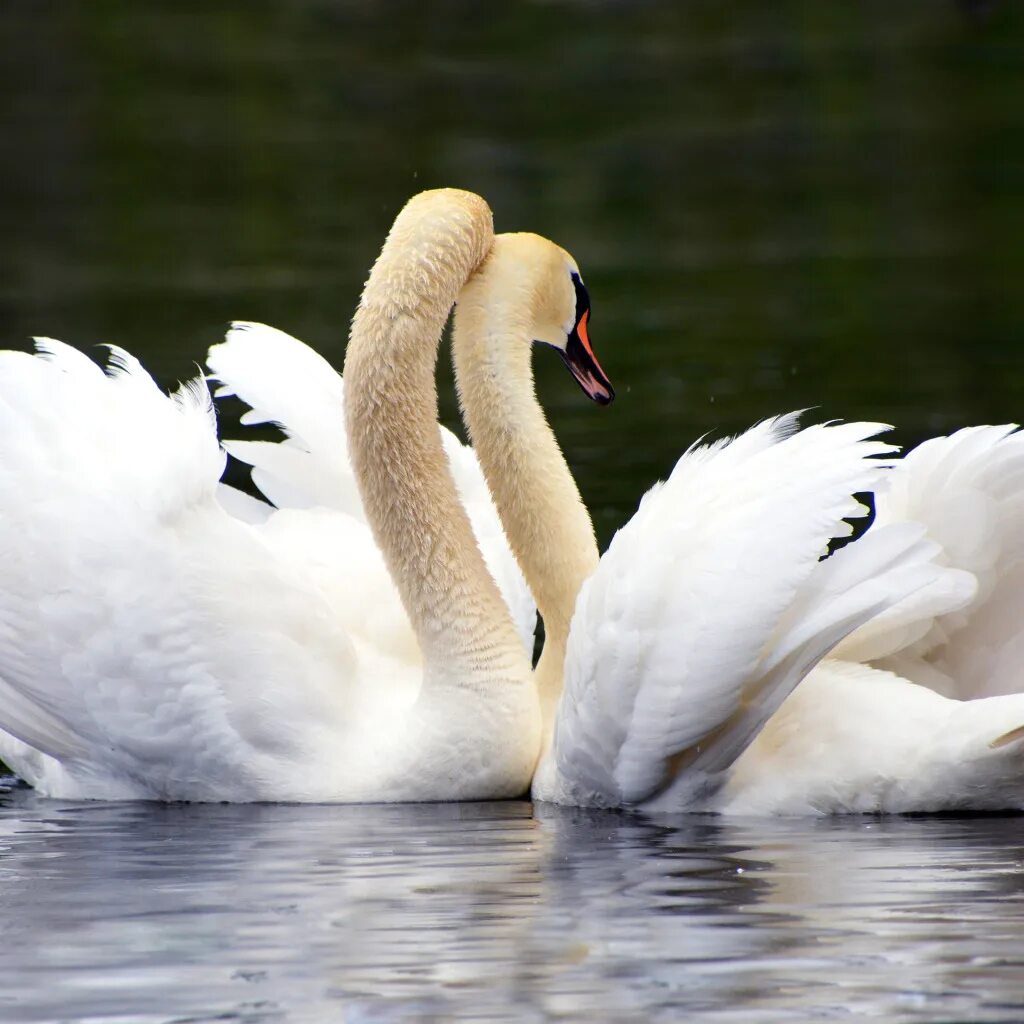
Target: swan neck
(410,498)
(545,520)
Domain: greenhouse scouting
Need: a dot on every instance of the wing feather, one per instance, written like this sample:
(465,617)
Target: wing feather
(288,384)
(712,602)
(961,635)
(138,617)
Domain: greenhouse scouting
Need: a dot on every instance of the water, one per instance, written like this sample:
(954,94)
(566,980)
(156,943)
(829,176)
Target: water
(775,206)
(147,913)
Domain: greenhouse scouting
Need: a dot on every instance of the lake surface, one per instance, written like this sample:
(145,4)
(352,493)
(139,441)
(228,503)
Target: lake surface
(784,206)
(775,206)
(146,913)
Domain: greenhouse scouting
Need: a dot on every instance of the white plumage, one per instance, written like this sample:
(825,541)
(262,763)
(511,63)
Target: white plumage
(967,490)
(709,607)
(920,709)
(162,636)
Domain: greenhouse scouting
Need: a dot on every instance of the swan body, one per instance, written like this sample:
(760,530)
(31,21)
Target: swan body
(162,636)
(670,669)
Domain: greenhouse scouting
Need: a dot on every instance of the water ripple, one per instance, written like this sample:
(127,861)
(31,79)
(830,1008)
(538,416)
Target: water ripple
(149,913)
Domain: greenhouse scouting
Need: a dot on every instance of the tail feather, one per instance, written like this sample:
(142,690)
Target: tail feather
(855,739)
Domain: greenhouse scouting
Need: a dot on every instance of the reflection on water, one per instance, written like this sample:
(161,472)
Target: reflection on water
(481,911)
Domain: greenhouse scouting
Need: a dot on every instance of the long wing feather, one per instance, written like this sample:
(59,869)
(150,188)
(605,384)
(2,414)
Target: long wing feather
(286,383)
(712,603)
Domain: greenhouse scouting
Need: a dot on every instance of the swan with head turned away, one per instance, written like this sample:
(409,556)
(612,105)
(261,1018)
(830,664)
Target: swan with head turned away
(666,661)
(164,637)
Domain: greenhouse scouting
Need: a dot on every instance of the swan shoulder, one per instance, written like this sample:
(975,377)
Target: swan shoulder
(829,751)
(685,627)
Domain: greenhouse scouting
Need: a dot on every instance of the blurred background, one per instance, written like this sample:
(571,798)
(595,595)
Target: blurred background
(774,206)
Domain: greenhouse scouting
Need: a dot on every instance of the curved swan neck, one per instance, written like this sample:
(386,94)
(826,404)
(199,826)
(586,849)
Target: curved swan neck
(463,625)
(547,524)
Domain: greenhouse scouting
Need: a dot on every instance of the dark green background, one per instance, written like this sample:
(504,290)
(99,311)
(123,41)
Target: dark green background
(775,205)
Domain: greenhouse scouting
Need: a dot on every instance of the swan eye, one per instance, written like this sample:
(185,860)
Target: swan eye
(582,297)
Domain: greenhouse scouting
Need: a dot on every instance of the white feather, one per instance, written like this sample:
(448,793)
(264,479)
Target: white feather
(287,383)
(919,709)
(711,605)
(963,635)
(163,636)
(854,739)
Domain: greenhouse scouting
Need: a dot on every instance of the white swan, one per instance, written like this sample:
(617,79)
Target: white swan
(711,604)
(155,645)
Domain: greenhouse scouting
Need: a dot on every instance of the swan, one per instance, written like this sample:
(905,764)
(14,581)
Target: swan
(664,659)
(164,637)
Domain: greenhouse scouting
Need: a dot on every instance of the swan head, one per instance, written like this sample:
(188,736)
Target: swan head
(549,288)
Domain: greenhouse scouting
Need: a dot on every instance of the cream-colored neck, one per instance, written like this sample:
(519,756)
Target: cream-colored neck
(547,524)
(463,625)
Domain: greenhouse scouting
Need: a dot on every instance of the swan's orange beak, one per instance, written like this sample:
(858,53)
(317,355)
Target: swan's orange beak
(583,364)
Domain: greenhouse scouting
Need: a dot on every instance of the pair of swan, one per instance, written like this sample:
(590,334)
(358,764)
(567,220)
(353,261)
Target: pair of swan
(366,636)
